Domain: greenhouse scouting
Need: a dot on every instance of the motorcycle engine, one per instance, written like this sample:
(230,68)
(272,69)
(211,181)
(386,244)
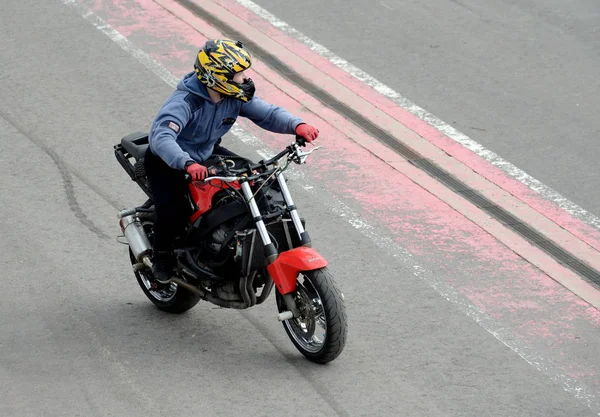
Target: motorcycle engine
(218,237)
(227,291)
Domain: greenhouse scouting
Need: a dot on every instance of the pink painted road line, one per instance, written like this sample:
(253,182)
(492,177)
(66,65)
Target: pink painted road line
(519,190)
(453,166)
(493,277)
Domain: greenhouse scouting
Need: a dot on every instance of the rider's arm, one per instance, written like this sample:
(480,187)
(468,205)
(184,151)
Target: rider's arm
(269,116)
(168,124)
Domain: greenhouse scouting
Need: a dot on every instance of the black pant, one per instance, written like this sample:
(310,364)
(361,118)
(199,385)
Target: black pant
(170,196)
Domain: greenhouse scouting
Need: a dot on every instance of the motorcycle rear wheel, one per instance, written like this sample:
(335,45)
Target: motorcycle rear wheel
(321,330)
(170,297)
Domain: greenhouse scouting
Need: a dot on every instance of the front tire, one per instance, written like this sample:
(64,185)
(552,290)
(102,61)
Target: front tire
(321,330)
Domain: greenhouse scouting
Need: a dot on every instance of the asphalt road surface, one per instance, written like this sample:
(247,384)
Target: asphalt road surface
(78,337)
(519,77)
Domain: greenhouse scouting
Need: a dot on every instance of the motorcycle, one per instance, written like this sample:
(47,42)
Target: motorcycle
(244,237)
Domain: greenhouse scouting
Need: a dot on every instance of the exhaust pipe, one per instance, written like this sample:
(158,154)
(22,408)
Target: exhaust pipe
(136,237)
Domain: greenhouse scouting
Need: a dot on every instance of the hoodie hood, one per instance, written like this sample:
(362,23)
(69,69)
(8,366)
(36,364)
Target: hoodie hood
(191,84)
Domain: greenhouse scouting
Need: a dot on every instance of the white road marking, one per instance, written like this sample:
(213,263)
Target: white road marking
(505,336)
(515,172)
(386,6)
(570,385)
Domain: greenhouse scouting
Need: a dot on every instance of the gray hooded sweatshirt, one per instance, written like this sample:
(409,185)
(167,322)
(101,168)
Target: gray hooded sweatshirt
(189,123)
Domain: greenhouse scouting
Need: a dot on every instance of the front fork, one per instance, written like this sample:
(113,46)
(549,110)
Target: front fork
(269,248)
(302,234)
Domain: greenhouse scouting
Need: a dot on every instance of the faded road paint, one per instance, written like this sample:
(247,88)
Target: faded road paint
(448,132)
(399,208)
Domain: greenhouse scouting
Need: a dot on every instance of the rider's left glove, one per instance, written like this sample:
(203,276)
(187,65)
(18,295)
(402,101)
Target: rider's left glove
(197,172)
(308,132)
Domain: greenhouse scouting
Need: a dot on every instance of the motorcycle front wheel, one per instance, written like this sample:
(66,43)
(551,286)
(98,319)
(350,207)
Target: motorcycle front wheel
(319,333)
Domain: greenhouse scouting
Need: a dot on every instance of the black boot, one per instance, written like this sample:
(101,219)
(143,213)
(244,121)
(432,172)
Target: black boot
(162,266)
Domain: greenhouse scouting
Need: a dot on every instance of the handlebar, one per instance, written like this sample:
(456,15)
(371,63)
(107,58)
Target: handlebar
(277,157)
(300,141)
(292,151)
(224,179)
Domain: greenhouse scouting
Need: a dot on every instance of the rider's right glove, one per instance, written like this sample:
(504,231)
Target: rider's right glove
(308,132)
(197,172)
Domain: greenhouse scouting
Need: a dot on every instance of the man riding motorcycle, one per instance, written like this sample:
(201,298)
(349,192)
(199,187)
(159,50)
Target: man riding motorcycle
(188,129)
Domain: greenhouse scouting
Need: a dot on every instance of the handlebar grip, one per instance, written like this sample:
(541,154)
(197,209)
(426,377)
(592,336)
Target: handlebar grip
(300,140)
(212,171)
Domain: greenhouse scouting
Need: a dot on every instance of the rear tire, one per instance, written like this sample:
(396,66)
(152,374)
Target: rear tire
(320,333)
(168,297)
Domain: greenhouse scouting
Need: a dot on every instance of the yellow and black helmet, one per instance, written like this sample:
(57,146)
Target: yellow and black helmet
(216,64)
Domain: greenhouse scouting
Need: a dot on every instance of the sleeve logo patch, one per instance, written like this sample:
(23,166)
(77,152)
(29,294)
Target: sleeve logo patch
(173,126)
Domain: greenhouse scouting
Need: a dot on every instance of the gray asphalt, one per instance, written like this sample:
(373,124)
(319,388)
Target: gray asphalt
(518,76)
(78,337)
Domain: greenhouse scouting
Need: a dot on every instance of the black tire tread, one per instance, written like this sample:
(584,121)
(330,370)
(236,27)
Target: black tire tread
(335,313)
(183,301)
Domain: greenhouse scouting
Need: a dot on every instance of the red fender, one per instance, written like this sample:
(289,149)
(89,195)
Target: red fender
(284,270)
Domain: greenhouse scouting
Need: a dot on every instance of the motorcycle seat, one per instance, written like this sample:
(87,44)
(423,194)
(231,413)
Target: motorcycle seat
(136,144)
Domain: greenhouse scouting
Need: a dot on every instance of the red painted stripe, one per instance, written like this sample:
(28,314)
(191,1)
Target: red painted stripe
(400,198)
(550,210)
(341,92)
(301,99)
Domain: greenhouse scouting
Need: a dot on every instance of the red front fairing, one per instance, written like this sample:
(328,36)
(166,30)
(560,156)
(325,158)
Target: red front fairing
(286,267)
(203,193)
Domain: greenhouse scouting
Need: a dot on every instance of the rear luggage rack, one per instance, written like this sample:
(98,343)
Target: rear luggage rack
(130,153)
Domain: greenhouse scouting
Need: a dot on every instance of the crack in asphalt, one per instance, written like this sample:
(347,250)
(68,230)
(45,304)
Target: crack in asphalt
(66,177)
